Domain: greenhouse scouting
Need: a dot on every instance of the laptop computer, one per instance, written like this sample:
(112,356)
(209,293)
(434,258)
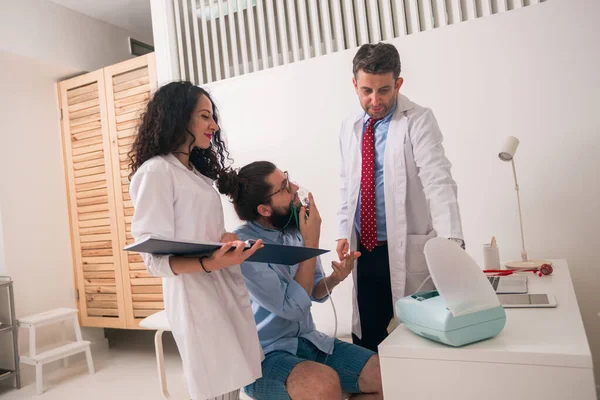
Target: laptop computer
(508,284)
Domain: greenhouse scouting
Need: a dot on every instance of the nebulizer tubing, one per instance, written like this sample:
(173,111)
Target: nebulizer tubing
(332,306)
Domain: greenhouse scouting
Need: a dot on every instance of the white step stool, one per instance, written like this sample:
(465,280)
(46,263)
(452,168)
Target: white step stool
(62,352)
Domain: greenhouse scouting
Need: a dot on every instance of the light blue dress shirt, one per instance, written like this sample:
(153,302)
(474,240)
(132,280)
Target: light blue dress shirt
(280,305)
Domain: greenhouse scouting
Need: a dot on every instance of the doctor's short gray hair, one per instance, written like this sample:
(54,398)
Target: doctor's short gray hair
(379,58)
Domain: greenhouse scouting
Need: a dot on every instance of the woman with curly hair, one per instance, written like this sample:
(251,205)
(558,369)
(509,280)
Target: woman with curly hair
(177,154)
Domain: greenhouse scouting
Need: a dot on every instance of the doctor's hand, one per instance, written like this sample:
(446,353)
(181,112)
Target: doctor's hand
(341,269)
(223,258)
(342,248)
(310,228)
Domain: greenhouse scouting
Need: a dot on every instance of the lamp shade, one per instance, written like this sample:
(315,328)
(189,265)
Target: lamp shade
(509,148)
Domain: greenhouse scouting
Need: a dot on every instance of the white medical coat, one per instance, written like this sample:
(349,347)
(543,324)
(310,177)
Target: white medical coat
(209,314)
(420,193)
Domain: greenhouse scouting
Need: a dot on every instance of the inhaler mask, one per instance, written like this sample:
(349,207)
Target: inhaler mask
(302,194)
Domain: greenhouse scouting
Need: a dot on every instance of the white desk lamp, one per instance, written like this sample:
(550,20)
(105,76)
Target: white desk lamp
(507,154)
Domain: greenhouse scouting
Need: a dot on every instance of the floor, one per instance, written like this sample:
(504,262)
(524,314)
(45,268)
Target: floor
(126,371)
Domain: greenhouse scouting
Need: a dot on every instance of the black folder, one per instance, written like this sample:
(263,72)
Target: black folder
(270,253)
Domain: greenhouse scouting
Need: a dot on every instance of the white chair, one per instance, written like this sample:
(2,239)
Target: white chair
(66,349)
(158,321)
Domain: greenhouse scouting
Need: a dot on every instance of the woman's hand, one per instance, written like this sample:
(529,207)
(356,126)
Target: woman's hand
(223,258)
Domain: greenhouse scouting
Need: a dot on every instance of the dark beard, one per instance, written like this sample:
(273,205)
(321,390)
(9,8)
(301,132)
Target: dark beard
(280,220)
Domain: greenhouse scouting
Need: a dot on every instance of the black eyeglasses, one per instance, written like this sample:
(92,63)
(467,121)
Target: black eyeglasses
(284,186)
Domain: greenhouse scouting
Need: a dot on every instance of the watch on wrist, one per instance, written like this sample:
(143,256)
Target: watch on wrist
(460,242)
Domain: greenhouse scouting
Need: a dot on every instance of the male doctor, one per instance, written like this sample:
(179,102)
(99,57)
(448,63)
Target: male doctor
(396,192)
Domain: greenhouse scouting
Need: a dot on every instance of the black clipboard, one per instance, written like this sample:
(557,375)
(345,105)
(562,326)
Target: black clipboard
(270,253)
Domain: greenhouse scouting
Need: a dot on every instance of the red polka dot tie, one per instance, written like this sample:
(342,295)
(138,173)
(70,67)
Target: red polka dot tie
(368,222)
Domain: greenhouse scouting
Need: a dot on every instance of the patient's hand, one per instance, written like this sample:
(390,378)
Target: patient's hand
(341,269)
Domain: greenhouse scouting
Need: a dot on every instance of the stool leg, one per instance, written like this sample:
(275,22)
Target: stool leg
(39,379)
(65,338)
(160,362)
(77,329)
(90,361)
(32,350)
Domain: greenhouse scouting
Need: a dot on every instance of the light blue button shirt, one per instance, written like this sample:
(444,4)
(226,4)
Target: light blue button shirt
(280,305)
(381,132)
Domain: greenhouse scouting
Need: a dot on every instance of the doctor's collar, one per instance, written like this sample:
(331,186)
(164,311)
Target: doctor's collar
(388,116)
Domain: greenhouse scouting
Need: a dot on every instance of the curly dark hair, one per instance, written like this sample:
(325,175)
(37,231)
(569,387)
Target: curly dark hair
(379,58)
(163,130)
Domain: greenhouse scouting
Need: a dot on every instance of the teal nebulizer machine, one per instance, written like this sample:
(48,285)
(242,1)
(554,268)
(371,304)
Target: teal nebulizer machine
(463,309)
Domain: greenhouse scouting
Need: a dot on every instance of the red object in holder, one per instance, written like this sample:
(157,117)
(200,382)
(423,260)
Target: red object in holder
(545,269)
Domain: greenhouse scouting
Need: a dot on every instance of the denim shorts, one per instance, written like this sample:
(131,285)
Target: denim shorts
(347,360)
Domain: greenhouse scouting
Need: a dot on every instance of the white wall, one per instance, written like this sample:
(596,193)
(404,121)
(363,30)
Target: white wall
(34,211)
(40,44)
(2,261)
(531,73)
(165,41)
(32,195)
(52,34)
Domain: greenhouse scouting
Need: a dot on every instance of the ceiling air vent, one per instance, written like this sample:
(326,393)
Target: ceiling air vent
(138,48)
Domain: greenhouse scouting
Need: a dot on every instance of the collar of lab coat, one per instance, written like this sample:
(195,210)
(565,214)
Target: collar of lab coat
(388,117)
(172,159)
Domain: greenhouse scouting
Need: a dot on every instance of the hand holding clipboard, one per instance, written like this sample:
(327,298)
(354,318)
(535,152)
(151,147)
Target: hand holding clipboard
(268,253)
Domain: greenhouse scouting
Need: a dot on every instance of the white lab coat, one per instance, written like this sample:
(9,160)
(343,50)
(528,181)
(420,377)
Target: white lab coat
(420,194)
(209,314)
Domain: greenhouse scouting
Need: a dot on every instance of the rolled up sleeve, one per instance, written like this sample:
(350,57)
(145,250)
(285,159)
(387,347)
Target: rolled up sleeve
(286,300)
(318,278)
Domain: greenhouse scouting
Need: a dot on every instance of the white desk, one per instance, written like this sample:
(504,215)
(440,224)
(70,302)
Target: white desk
(542,353)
